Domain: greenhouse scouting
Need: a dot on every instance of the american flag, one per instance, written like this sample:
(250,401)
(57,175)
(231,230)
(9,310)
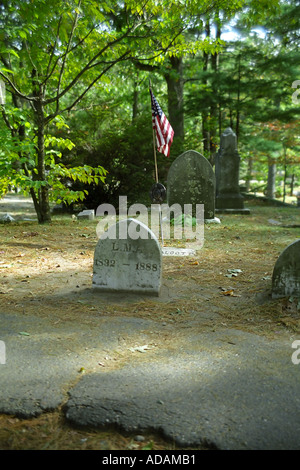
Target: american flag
(163,130)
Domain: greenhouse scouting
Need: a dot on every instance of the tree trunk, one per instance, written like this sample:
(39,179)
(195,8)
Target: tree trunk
(249,173)
(21,134)
(237,125)
(205,128)
(292,184)
(174,81)
(43,213)
(285,174)
(135,100)
(214,110)
(271,180)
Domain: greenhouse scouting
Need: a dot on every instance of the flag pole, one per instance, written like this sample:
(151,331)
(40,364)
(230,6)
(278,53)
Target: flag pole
(156,170)
(154,147)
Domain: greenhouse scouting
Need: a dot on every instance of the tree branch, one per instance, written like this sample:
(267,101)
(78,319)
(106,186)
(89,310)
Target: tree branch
(88,66)
(50,117)
(5,118)
(17,92)
(65,56)
(52,54)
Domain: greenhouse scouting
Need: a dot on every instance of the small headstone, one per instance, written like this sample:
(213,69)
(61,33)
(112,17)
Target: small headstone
(7,218)
(86,214)
(228,197)
(286,273)
(191,180)
(128,258)
(173,251)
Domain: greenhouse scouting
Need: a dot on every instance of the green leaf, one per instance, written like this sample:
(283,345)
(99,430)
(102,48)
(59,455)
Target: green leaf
(3,69)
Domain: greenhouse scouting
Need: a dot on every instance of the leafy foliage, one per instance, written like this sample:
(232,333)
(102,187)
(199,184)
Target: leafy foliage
(77,124)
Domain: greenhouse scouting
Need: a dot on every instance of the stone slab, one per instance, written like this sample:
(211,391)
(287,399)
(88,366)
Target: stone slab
(173,251)
(191,180)
(227,167)
(286,273)
(233,211)
(125,264)
(86,215)
(41,365)
(231,389)
(228,388)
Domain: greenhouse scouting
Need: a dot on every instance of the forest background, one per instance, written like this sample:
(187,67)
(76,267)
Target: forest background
(76,115)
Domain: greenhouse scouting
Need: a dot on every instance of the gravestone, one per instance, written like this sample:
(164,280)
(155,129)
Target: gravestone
(87,214)
(227,169)
(286,273)
(191,180)
(128,258)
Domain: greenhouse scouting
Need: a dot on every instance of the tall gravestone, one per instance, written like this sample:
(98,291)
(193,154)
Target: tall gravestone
(286,273)
(227,169)
(128,258)
(191,180)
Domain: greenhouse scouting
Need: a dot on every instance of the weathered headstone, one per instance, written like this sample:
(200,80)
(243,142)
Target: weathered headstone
(7,218)
(128,258)
(227,168)
(191,180)
(286,273)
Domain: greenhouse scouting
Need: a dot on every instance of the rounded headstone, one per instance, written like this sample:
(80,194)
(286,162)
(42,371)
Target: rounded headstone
(128,258)
(191,180)
(286,273)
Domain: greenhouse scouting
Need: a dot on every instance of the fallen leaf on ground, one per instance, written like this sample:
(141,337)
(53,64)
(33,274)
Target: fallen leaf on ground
(228,292)
(140,348)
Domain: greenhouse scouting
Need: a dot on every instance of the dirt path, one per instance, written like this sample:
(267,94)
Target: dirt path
(46,270)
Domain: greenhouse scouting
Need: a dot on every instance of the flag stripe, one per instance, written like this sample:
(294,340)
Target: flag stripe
(163,129)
